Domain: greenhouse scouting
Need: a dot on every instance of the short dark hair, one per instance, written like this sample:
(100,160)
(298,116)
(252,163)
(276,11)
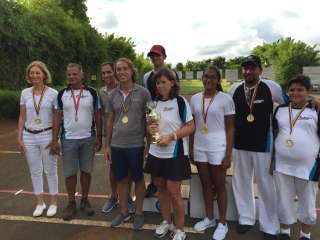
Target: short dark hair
(166,72)
(77,65)
(111,64)
(218,74)
(130,65)
(302,80)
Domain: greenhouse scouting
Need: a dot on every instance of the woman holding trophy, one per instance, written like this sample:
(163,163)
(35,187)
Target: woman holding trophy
(211,146)
(168,154)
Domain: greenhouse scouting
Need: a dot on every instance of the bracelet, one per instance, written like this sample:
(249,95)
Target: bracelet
(175,136)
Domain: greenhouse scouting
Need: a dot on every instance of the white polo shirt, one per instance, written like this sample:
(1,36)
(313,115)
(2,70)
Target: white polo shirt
(85,126)
(215,140)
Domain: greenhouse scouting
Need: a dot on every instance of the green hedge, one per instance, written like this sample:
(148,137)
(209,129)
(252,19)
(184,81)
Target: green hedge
(9,107)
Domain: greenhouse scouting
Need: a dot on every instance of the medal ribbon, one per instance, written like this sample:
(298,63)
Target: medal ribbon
(38,106)
(250,102)
(125,108)
(203,111)
(76,103)
(294,120)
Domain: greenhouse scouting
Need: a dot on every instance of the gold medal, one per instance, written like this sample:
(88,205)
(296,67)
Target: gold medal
(125,119)
(250,117)
(37,120)
(37,107)
(125,107)
(250,100)
(289,142)
(204,130)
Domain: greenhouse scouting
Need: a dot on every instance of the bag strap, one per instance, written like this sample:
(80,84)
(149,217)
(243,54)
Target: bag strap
(179,149)
(182,109)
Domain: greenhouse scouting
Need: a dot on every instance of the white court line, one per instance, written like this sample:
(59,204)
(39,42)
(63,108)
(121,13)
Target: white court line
(17,152)
(14,152)
(82,222)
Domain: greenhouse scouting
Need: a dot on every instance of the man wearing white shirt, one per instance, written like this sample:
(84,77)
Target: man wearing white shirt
(80,136)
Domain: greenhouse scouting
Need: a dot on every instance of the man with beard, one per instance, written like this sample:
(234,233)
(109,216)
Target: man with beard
(254,98)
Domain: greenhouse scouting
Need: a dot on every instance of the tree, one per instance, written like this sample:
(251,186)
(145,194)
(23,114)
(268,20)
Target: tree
(42,30)
(179,66)
(288,57)
(77,8)
(234,62)
(192,66)
(219,62)
(117,47)
(143,65)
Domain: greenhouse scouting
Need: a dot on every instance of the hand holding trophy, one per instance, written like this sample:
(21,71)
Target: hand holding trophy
(153,117)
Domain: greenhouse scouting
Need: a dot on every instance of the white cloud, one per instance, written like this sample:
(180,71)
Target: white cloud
(195,30)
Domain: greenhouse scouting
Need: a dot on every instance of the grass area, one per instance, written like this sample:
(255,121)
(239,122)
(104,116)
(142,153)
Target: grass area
(195,86)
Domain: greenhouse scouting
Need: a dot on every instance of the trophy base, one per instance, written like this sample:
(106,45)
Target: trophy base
(155,138)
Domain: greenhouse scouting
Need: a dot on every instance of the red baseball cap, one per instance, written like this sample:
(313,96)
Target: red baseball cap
(158,49)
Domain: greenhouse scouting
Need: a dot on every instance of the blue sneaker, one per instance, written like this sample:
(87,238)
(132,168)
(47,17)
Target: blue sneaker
(138,222)
(111,203)
(119,219)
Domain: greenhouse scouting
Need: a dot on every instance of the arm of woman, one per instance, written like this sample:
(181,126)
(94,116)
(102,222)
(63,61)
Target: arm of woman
(186,130)
(191,142)
(22,120)
(229,125)
(57,117)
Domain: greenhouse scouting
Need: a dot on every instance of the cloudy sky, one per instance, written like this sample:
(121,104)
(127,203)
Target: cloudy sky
(201,29)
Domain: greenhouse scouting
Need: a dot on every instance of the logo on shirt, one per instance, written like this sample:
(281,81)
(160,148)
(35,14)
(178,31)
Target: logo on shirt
(76,97)
(304,118)
(258,101)
(166,109)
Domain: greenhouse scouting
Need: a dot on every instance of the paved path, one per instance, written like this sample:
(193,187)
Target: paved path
(17,203)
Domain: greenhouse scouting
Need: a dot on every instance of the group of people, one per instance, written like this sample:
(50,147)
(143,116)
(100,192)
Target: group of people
(279,148)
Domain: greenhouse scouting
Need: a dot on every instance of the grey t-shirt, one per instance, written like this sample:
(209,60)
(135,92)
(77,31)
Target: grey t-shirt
(103,93)
(132,133)
(104,96)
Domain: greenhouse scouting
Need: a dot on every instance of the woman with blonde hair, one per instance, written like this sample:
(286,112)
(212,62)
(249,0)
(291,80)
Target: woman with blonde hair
(35,134)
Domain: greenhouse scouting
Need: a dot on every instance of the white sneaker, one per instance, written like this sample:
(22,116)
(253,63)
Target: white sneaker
(163,229)
(179,235)
(204,224)
(39,210)
(52,210)
(220,232)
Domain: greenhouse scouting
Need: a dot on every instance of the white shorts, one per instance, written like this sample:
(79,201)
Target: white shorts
(213,158)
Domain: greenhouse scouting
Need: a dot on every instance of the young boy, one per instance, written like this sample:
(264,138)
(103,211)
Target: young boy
(296,127)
